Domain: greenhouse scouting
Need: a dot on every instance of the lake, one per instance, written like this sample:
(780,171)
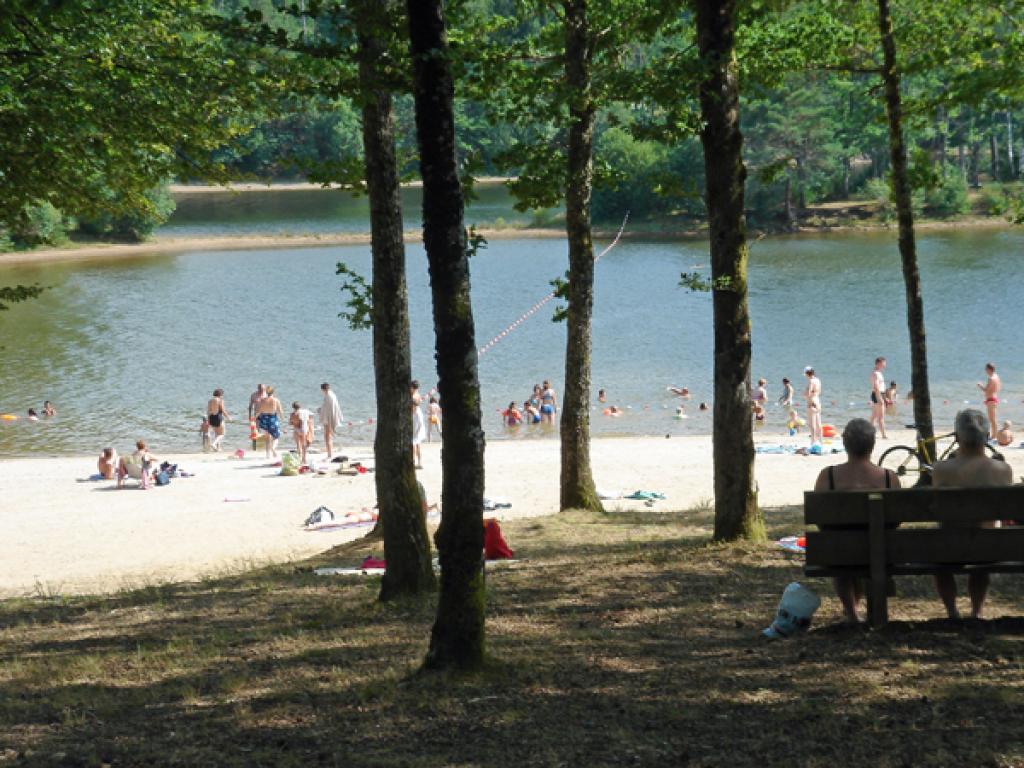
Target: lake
(133,348)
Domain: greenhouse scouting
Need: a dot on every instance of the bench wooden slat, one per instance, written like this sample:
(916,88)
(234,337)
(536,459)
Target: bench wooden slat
(946,545)
(947,505)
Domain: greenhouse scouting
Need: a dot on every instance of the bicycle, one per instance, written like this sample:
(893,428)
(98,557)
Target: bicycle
(900,458)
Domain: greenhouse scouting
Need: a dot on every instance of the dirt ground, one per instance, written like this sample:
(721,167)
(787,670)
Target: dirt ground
(618,639)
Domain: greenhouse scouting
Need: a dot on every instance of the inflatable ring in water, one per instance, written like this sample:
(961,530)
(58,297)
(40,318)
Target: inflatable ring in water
(8,417)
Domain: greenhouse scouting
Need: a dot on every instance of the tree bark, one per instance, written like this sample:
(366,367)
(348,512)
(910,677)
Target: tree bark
(457,638)
(905,219)
(993,143)
(736,510)
(406,542)
(577,481)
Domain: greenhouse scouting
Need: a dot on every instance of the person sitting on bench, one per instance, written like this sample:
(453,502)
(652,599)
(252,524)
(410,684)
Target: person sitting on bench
(969,468)
(858,473)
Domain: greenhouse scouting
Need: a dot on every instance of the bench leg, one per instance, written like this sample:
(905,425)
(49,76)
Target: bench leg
(878,598)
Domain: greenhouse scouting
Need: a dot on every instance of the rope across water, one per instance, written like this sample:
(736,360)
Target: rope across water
(533,310)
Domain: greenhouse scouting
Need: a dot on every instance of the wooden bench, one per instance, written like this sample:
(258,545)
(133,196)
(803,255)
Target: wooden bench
(874,548)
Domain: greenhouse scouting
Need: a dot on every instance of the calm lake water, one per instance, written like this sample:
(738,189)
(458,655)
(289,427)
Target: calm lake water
(132,349)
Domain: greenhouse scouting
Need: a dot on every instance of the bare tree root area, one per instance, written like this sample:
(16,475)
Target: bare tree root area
(617,639)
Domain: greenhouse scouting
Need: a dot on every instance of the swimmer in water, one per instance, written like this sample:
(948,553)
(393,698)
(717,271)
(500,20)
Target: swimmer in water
(682,392)
(702,407)
(601,396)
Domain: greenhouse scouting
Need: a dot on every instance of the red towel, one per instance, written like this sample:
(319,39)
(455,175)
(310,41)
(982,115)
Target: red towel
(373,562)
(495,547)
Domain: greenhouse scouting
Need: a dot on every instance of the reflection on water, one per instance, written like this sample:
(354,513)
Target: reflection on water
(134,349)
(314,211)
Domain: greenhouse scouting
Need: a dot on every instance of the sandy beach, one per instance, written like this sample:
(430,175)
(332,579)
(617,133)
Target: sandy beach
(64,535)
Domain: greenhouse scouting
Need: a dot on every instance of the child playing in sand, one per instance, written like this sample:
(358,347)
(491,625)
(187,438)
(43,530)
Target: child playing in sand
(107,463)
(1005,436)
(795,422)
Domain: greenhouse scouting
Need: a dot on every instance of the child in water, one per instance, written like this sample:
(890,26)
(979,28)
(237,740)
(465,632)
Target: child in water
(513,417)
(204,434)
(531,414)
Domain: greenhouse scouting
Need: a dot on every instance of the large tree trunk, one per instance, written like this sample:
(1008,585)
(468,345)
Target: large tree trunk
(577,481)
(905,218)
(736,510)
(406,543)
(457,639)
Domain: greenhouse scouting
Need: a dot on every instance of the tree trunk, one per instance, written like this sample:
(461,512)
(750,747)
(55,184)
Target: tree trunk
(406,543)
(577,481)
(787,202)
(1009,146)
(975,164)
(457,638)
(905,218)
(941,128)
(993,143)
(736,510)
(846,178)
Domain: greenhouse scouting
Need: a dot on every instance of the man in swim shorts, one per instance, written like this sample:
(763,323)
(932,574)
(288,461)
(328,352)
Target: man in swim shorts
(268,416)
(970,468)
(878,397)
(991,389)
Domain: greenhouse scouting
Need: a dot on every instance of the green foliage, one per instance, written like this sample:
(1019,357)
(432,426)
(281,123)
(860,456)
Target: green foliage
(697,283)
(126,91)
(948,197)
(359,314)
(637,173)
(39,224)
(133,225)
(994,200)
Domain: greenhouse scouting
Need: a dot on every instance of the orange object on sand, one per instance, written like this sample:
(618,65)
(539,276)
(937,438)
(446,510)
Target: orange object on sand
(828,430)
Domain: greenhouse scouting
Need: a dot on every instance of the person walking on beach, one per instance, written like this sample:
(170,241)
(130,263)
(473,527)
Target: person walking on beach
(254,400)
(330,417)
(813,397)
(878,397)
(786,400)
(268,416)
(991,388)
(217,414)
(301,422)
(433,417)
(419,425)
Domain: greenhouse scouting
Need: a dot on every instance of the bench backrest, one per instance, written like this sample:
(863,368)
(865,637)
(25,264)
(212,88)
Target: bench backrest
(959,541)
(917,505)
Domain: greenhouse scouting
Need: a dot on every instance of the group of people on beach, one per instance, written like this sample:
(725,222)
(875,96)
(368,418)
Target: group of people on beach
(882,398)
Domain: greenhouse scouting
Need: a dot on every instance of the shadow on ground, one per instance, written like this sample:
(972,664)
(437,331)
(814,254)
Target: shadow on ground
(623,639)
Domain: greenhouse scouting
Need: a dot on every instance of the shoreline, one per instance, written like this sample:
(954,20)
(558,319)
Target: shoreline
(66,535)
(169,245)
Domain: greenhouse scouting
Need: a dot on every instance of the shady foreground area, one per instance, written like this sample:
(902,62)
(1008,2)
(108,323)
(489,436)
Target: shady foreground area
(622,639)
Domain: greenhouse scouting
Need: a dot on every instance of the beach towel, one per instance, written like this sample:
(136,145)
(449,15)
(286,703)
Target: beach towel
(606,495)
(645,496)
(330,412)
(794,545)
(492,504)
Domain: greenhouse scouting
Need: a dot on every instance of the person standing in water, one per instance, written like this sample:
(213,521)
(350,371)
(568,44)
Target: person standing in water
(254,400)
(991,389)
(786,399)
(878,397)
(548,403)
(813,397)
(331,418)
(217,414)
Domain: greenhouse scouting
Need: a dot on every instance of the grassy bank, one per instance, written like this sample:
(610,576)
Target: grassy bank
(624,639)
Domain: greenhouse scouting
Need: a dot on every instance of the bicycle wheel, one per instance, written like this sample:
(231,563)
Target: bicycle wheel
(901,460)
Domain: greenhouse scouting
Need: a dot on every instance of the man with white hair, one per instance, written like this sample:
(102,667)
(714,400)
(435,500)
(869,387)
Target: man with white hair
(970,468)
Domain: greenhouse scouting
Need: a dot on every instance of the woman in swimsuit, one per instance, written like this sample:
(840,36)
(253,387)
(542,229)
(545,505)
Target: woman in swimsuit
(268,416)
(813,396)
(216,414)
(548,403)
(858,473)
(419,425)
(991,389)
